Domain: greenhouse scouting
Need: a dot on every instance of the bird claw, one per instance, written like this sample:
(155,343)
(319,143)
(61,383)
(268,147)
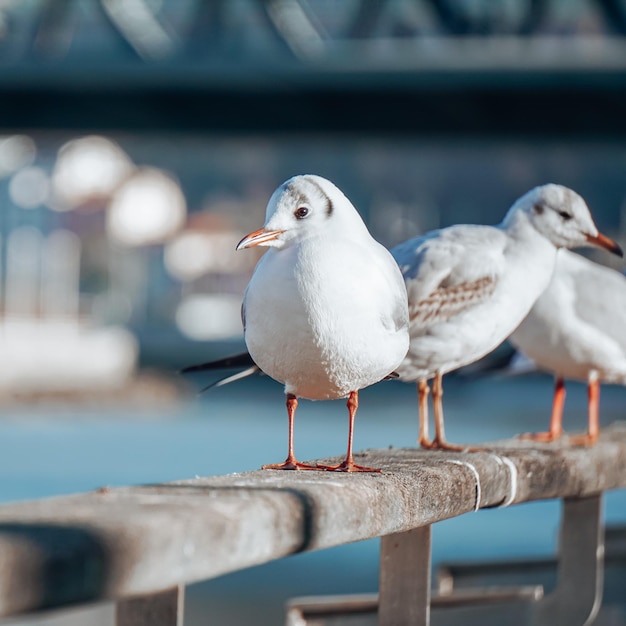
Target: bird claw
(290,464)
(444,445)
(350,466)
(582,440)
(541,437)
(345,466)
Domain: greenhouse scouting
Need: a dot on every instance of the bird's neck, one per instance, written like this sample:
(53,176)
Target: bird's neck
(518,225)
(533,255)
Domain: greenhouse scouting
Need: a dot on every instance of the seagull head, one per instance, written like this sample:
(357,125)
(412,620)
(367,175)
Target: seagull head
(563,217)
(301,207)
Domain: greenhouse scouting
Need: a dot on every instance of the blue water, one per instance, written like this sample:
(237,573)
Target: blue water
(58,450)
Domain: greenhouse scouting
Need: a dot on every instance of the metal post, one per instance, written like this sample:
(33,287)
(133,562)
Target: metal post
(578,594)
(164,608)
(404,595)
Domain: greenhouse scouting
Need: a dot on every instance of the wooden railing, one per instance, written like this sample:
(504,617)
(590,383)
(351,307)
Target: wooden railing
(141,545)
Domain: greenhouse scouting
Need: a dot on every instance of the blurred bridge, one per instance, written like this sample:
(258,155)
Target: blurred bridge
(422,67)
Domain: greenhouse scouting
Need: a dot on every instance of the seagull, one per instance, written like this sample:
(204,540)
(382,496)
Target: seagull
(325,312)
(577,330)
(469,287)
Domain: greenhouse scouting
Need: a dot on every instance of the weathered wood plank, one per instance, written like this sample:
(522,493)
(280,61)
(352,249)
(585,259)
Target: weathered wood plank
(138,540)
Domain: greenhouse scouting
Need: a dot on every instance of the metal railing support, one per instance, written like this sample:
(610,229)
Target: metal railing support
(156,609)
(578,594)
(404,587)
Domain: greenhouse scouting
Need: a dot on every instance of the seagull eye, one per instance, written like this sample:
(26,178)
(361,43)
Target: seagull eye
(301,212)
(566,216)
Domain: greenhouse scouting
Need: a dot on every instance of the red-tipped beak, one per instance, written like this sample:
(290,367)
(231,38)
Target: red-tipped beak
(258,238)
(605,242)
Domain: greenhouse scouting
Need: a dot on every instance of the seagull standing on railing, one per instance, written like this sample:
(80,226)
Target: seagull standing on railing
(325,311)
(577,329)
(469,286)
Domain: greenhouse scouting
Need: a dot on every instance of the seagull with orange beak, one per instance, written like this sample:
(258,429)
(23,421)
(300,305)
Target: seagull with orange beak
(470,286)
(577,330)
(325,312)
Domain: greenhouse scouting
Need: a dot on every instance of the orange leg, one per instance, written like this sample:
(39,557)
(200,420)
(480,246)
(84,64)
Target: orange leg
(290,462)
(422,397)
(556,419)
(593,389)
(348,465)
(439,442)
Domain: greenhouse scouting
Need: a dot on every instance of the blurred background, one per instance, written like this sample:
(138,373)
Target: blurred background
(141,139)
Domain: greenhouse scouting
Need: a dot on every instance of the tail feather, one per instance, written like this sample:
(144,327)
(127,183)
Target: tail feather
(502,363)
(243,360)
(232,378)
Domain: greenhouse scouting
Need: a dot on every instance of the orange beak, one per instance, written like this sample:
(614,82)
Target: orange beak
(257,238)
(605,242)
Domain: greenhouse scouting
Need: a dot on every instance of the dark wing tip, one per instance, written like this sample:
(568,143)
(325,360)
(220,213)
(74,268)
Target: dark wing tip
(237,360)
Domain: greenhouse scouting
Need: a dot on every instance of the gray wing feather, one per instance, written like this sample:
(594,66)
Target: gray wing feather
(450,271)
(446,302)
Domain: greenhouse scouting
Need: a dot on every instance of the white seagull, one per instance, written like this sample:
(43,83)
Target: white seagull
(469,286)
(577,330)
(325,311)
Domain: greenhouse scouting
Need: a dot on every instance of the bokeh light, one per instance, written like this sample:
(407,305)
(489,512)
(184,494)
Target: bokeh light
(88,170)
(147,208)
(210,317)
(191,255)
(30,187)
(16,151)
(90,357)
